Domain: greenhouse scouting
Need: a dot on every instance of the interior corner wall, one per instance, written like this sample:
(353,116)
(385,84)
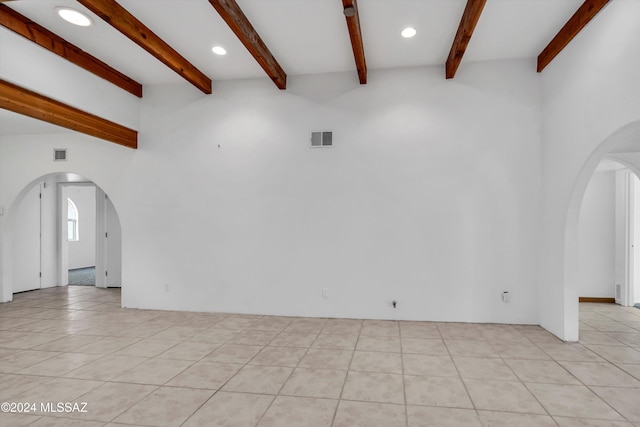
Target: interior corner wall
(636,241)
(597,237)
(590,91)
(429,196)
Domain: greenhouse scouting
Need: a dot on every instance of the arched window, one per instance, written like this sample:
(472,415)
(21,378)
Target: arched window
(72,222)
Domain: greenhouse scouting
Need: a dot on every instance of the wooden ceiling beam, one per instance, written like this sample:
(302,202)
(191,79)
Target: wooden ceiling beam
(36,33)
(242,28)
(120,19)
(28,103)
(352,16)
(585,13)
(470,17)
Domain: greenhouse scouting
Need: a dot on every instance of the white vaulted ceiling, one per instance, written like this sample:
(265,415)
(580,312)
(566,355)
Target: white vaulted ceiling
(304,36)
(309,36)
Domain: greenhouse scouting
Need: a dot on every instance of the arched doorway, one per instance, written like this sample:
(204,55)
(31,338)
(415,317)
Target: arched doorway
(36,247)
(626,138)
(608,218)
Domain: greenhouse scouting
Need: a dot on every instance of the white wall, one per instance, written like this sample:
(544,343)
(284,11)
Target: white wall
(597,228)
(429,197)
(82,253)
(636,239)
(590,92)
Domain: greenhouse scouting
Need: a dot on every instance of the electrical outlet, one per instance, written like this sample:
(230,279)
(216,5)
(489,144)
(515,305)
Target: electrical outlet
(166,287)
(325,293)
(506,296)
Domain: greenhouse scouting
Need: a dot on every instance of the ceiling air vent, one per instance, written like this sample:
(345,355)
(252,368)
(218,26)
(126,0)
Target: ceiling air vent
(321,139)
(59,154)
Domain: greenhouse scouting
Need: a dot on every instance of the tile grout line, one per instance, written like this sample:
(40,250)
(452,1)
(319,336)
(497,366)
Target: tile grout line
(61,318)
(404,384)
(458,372)
(346,376)
(525,385)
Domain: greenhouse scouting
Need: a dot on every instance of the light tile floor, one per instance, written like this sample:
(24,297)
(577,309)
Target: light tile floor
(157,368)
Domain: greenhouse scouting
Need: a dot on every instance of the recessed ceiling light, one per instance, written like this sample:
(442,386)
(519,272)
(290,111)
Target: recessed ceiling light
(408,32)
(219,50)
(73,16)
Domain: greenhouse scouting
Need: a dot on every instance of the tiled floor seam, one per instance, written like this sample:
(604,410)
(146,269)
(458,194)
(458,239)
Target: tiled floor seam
(344,383)
(284,382)
(525,385)
(473,403)
(404,385)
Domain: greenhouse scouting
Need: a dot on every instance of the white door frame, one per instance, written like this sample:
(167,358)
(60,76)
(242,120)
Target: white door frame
(627,289)
(63,245)
(101,241)
(631,225)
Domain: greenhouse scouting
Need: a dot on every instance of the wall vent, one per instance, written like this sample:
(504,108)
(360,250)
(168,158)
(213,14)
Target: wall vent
(321,139)
(59,154)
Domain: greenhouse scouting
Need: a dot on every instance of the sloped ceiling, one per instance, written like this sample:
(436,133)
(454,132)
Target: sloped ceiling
(309,36)
(305,36)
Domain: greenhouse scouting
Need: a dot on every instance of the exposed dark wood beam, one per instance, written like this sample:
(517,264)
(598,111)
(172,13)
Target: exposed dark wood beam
(240,25)
(470,17)
(352,16)
(123,21)
(36,33)
(574,25)
(23,101)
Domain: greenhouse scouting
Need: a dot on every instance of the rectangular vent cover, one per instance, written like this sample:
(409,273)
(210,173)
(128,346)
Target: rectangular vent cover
(321,139)
(59,154)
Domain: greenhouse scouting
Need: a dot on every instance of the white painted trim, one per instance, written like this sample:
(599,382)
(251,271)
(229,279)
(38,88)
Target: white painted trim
(628,241)
(41,185)
(624,234)
(63,244)
(630,233)
(101,241)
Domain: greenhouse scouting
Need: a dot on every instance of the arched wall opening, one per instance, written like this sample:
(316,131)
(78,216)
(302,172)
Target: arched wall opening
(49,227)
(607,221)
(627,136)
